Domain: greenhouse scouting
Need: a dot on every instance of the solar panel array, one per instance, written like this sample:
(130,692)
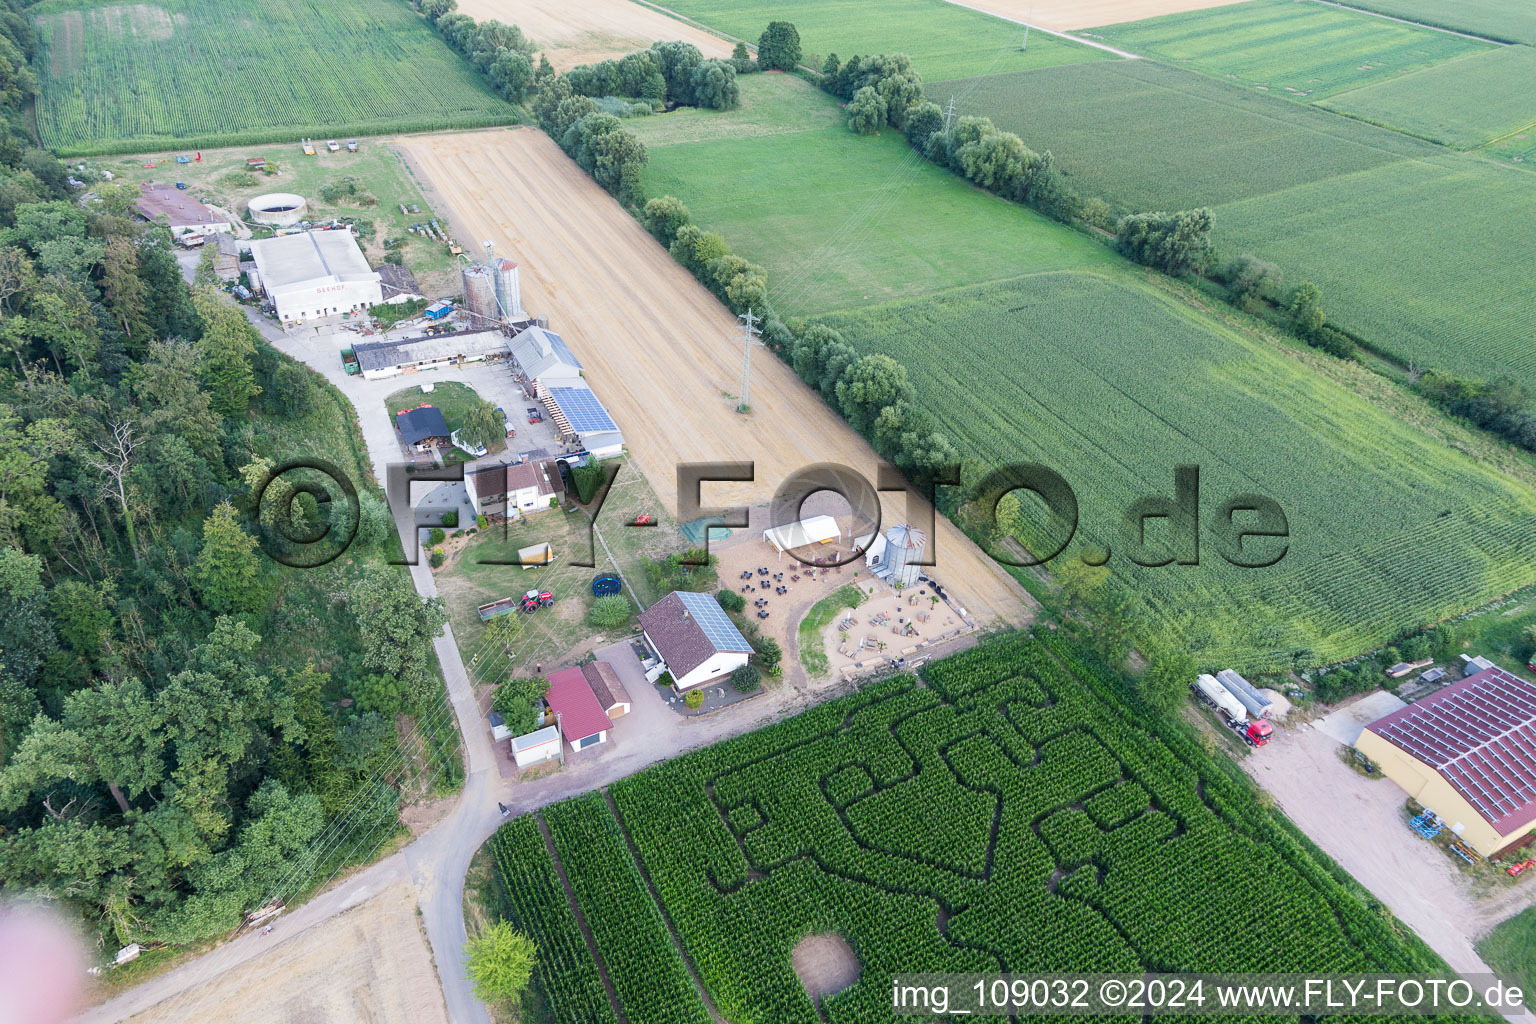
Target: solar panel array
(706,611)
(585,412)
(1480,734)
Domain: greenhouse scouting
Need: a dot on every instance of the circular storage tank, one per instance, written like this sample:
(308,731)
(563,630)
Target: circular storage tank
(480,293)
(279,209)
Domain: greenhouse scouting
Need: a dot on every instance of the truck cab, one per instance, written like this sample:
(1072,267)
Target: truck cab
(1258,732)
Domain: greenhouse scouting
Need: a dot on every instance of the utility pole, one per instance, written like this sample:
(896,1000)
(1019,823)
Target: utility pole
(1027,19)
(949,114)
(749,335)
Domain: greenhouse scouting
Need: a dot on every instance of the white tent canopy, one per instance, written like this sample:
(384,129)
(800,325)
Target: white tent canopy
(815,530)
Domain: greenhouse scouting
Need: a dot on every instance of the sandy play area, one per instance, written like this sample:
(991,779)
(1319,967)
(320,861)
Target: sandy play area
(655,344)
(1067,15)
(576,32)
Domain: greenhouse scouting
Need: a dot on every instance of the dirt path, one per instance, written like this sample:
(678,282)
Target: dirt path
(573,32)
(371,963)
(1359,823)
(1067,15)
(657,347)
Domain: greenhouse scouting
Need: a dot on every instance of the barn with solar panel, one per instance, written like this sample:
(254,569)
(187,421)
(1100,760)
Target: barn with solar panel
(580,419)
(1468,753)
(694,639)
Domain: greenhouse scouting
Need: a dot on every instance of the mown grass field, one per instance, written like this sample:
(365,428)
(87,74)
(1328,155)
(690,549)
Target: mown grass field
(1303,51)
(122,77)
(841,220)
(1511,949)
(944,41)
(1009,816)
(1113,384)
(1423,252)
(1464,103)
(1513,21)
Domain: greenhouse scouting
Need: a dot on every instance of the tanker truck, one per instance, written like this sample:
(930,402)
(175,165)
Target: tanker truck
(1230,710)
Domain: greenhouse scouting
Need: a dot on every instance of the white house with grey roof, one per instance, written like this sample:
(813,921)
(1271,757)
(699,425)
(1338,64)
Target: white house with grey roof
(315,274)
(694,639)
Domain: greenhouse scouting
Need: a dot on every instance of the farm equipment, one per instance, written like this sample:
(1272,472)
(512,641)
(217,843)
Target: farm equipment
(181,185)
(309,148)
(644,520)
(1514,870)
(183,159)
(1426,825)
(349,361)
(333,146)
(536,556)
(534,415)
(351,145)
(536,599)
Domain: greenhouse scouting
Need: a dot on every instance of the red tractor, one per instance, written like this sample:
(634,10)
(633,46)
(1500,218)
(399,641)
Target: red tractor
(643,520)
(536,599)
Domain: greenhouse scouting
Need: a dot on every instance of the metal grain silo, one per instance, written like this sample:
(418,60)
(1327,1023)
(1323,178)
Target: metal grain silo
(508,294)
(480,294)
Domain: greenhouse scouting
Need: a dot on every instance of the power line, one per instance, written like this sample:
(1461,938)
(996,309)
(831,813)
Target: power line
(749,339)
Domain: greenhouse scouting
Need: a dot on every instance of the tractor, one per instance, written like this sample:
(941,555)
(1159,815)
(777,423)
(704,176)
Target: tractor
(536,599)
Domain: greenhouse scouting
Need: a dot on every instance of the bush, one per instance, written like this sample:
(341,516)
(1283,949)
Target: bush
(665,679)
(694,699)
(482,522)
(768,652)
(609,612)
(451,518)
(436,536)
(437,558)
(731,601)
(746,679)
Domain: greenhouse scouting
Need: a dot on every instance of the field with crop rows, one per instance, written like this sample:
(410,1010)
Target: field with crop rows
(1012,815)
(943,40)
(1112,385)
(124,77)
(1513,21)
(1302,51)
(1464,103)
(839,219)
(1423,252)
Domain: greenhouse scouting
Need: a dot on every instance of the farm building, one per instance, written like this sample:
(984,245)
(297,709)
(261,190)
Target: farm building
(422,428)
(185,215)
(544,357)
(500,488)
(226,261)
(314,274)
(397,285)
(535,747)
(380,359)
(582,720)
(1471,665)
(581,419)
(610,693)
(1468,753)
(693,639)
(893,556)
(803,534)
(499,730)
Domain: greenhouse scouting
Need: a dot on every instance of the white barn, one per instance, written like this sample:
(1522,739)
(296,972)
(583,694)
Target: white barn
(315,274)
(694,639)
(545,357)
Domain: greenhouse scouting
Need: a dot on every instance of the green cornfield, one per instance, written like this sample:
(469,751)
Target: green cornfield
(1302,51)
(1425,253)
(128,77)
(1113,384)
(1011,815)
(1512,21)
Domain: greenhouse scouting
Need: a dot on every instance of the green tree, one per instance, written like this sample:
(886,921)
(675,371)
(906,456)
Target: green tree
(871,384)
(500,962)
(714,85)
(226,571)
(1306,310)
(664,216)
(769,653)
(225,354)
(482,426)
(1166,680)
(866,111)
(730,600)
(778,48)
(521,700)
(398,628)
(746,679)
(609,612)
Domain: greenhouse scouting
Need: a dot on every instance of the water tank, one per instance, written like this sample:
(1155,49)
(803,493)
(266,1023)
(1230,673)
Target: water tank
(480,294)
(1258,706)
(279,209)
(508,294)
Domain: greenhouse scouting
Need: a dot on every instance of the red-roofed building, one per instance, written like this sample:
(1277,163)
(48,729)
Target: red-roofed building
(583,722)
(1468,753)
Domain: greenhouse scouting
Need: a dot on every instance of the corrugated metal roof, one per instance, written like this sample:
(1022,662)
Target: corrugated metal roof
(573,700)
(384,355)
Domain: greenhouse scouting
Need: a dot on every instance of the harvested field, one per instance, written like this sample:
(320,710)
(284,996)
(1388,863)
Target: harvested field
(593,30)
(371,963)
(657,347)
(1067,15)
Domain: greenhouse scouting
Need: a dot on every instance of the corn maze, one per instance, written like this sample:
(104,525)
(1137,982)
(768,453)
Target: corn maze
(1005,813)
(128,77)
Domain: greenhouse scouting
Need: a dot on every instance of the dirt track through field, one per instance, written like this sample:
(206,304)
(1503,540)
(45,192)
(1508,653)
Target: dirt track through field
(1067,15)
(576,32)
(656,346)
